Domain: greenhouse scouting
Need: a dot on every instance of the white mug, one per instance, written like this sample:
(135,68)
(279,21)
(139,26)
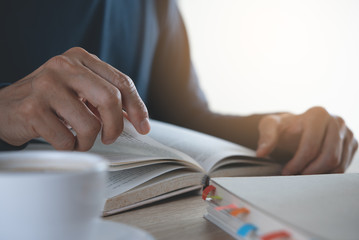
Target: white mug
(50,194)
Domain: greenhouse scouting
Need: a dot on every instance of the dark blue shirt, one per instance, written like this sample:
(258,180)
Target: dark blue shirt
(122,33)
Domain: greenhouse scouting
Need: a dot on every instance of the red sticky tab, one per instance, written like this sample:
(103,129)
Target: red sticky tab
(276,235)
(207,190)
(238,211)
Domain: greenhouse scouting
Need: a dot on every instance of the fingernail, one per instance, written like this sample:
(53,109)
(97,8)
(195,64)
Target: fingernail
(263,145)
(260,148)
(145,126)
(108,141)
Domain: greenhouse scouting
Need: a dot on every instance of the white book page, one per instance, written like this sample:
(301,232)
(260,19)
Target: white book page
(123,180)
(205,149)
(132,147)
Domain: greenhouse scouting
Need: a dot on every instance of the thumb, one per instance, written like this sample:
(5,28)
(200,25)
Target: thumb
(268,135)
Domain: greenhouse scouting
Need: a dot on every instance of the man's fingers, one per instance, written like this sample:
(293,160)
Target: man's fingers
(331,154)
(86,84)
(349,149)
(106,98)
(314,123)
(132,102)
(80,118)
(49,126)
(268,135)
(345,159)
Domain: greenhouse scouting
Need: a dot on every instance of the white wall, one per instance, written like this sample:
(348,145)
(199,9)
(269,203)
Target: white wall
(277,55)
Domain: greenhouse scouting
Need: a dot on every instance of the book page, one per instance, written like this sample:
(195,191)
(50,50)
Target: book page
(123,180)
(170,143)
(161,187)
(205,149)
(132,147)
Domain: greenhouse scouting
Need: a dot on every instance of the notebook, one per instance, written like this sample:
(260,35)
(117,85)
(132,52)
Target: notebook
(286,207)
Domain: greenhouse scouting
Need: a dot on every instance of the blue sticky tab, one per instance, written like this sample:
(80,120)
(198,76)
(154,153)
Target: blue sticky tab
(245,229)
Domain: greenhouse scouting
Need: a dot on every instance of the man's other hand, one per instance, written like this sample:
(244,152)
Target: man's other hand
(319,142)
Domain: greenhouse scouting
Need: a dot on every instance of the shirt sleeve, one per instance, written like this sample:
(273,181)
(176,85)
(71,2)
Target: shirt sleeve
(175,95)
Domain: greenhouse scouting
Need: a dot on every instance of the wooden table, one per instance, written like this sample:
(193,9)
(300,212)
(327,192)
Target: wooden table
(176,218)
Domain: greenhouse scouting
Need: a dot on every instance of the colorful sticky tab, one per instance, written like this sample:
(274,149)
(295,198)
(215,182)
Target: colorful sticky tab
(207,190)
(238,211)
(246,229)
(276,235)
(215,197)
(230,206)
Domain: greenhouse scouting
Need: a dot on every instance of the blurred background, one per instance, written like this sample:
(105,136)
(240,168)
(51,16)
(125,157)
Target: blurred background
(255,56)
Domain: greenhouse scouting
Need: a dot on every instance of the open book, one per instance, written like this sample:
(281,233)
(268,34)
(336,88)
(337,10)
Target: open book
(169,161)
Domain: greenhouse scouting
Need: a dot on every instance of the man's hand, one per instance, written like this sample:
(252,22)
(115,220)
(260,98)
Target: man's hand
(76,89)
(318,141)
